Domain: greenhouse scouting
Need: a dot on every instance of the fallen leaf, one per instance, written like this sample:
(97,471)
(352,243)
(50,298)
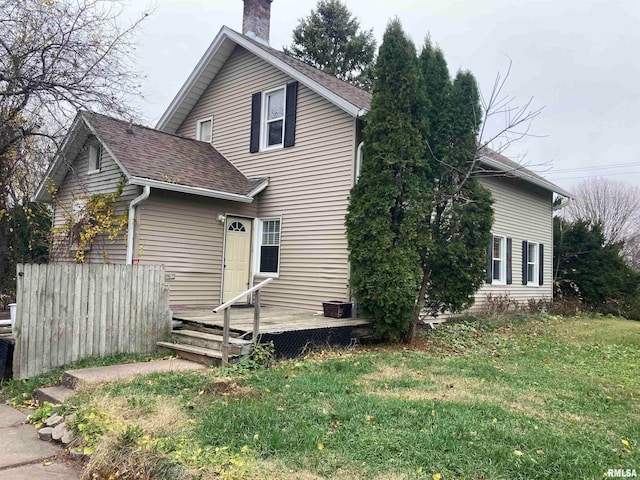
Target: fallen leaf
(46,464)
(625,442)
(437,476)
(517,452)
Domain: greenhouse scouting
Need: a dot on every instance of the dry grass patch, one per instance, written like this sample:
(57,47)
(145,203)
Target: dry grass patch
(471,390)
(157,416)
(228,387)
(388,372)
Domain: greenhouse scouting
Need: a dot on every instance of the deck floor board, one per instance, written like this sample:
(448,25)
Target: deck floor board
(272,319)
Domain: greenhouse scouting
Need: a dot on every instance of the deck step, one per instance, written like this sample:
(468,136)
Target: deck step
(211,341)
(197,354)
(213,329)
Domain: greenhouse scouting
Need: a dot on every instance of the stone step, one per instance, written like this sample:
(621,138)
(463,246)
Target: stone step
(114,373)
(197,354)
(211,341)
(56,395)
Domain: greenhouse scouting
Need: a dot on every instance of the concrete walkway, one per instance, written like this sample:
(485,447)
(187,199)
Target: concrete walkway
(23,455)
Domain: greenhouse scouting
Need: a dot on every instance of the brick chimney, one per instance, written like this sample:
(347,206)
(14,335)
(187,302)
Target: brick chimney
(256,19)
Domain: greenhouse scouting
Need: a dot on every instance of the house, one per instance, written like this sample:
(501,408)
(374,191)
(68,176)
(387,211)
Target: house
(247,176)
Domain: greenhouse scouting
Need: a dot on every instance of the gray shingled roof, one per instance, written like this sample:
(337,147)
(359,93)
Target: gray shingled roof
(151,154)
(352,94)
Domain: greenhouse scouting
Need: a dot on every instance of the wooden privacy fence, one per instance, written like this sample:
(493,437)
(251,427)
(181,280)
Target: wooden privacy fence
(69,312)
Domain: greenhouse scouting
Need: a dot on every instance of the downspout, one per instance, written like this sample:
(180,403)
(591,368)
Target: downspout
(358,161)
(132,221)
(355,180)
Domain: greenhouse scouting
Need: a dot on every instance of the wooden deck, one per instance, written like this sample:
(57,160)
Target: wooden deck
(272,319)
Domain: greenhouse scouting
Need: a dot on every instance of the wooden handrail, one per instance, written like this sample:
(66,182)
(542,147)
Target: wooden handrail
(226,307)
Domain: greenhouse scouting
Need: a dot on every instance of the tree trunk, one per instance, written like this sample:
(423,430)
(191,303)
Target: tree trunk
(410,334)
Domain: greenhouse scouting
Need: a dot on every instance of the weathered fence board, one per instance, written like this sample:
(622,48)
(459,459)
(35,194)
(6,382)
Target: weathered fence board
(68,312)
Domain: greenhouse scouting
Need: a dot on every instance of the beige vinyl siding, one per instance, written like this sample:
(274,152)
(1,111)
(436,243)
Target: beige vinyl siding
(78,184)
(182,232)
(308,184)
(521,212)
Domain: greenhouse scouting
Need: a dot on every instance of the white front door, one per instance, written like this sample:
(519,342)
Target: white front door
(237,257)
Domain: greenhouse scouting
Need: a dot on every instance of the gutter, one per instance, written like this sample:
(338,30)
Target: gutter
(204,192)
(132,221)
(518,172)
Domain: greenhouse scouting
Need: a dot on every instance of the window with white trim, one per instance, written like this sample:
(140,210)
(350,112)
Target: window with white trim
(533,263)
(273,118)
(204,130)
(269,252)
(95,158)
(499,260)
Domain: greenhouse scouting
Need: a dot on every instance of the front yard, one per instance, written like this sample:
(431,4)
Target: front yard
(478,399)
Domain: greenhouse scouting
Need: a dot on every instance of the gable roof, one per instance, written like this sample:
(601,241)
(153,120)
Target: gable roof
(509,168)
(157,159)
(349,98)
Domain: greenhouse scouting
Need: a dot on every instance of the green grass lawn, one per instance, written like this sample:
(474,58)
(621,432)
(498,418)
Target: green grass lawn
(478,399)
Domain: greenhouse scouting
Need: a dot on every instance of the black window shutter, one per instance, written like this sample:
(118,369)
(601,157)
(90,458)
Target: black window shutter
(490,261)
(541,264)
(509,269)
(256,104)
(290,115)
(525,253)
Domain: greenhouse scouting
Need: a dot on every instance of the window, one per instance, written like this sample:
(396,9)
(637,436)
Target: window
(269,237)
(95,160)
(532,263)
(273,134)
(273,118)
(77,207)
(204,131)
(499,260)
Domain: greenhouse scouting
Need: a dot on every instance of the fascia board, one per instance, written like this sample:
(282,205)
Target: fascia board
(203,192)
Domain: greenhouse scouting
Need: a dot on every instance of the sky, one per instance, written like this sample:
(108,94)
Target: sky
(577,60)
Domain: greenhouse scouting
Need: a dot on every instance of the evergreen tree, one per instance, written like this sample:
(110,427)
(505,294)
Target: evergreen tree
(590,269)
(456,228)
(381,229)
(330,39)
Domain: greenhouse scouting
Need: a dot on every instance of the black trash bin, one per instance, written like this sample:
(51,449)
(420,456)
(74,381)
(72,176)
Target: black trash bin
(6,359)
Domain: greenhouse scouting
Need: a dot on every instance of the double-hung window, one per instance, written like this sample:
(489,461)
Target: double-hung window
(499,255)
(274,108)
(532,263)
(273,118)
(204,130)
(269,237)
(95,158)
(499,271)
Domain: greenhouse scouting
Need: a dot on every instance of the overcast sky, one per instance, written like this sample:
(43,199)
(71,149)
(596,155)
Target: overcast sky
(578,59)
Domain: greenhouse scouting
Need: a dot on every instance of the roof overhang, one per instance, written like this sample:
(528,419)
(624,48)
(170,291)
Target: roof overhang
(211,62)
(524,175)
(203,192)
(75,138)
